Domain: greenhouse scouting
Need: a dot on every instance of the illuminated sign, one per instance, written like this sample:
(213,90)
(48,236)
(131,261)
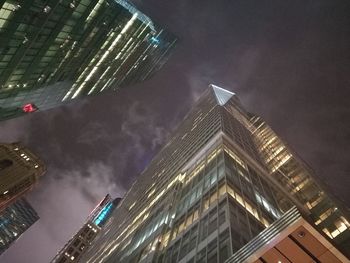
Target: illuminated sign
(106,200)
(29,108)
(102,216)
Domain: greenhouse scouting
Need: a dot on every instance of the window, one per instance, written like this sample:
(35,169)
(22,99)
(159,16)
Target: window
(223,253)
(70,250)
(5,163)
(201,256)
(193,238)
(195,214)
(221,217)
(82,246)
(185,243)
(212,252)
(62,260)
(204,227)
(213,198)
(212,221)
(76,242)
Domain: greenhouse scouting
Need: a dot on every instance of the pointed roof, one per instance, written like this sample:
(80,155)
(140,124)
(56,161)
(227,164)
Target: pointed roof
(222,95)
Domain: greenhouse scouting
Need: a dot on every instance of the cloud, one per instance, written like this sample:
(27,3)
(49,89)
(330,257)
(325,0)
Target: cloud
(140,118)
(93,133)
(80,191)
(15,130)
(99,181)
(72,186)
(198,80)
(140,137)
(63,206)
(67,194)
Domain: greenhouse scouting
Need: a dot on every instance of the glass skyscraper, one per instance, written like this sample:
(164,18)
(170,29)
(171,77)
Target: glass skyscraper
(52,52)
(223,184)
(14,221)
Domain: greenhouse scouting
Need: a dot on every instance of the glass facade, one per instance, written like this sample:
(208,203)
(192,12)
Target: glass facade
(51,52)
(285,166)
(209,192)
(14,221)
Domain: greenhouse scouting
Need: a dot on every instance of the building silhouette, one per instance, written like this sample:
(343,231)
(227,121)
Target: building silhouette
(51,53)
(224,187)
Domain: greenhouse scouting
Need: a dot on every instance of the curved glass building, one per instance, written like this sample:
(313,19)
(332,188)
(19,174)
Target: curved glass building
(53,52)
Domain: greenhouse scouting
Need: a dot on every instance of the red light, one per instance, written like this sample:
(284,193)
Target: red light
(29,108)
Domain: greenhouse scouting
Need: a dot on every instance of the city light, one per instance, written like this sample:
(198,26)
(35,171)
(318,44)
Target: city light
(29,108)
(103,214)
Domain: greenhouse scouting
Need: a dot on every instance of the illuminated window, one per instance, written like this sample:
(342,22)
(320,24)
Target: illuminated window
(324,215)
(181,227)
(222,190)
(189,220)
(206,204)
(195,215)
(315,202)
(213,198)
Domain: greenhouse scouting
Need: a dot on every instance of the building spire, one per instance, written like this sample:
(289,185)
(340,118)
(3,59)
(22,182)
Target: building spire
(222,95)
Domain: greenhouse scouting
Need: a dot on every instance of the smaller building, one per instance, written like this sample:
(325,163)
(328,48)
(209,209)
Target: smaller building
(76,246)
(72,251)
(14,221)
(20,170)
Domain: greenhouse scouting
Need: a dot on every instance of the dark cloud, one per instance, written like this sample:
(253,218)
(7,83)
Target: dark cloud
(288,61)
(15,130)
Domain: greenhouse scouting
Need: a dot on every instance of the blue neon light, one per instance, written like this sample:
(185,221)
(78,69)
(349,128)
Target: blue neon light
(103,214)
(155,40)
(4,222)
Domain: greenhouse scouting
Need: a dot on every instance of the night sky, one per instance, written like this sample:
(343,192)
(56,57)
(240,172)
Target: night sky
(288,61)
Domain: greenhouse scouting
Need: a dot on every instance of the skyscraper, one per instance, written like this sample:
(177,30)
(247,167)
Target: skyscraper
(225,182)
(20,170)
(55,52)
(14,221)
(80,242)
